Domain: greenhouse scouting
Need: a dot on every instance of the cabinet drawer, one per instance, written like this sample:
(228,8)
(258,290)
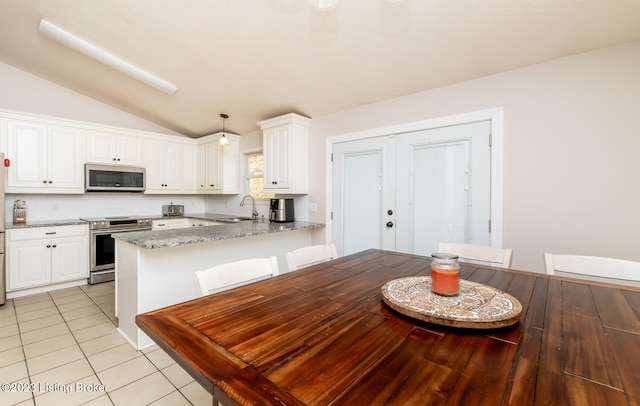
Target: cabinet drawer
(46,232)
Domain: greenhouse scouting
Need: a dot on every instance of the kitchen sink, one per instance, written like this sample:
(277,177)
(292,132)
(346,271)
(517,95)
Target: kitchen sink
(233,219)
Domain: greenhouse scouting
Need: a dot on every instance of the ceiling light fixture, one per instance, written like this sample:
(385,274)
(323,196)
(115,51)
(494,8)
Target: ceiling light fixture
(224,141)
(323,4)
(86,48)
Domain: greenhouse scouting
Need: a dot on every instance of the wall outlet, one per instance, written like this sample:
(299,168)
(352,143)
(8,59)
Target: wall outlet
(313,207)
(54,207)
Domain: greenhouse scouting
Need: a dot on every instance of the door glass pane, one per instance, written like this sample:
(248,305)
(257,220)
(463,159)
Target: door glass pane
(439,204)
(361,202)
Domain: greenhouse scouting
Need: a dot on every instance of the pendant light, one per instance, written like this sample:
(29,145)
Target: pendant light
(224,141)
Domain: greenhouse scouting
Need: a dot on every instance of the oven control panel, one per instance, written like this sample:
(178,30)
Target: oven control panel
(121,223)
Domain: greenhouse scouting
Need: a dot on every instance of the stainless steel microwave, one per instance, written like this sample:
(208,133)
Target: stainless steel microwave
(114,178)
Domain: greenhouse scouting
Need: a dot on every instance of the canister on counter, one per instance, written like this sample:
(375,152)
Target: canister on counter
(445,274)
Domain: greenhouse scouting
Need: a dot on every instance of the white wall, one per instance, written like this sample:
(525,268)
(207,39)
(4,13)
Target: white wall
(23,92)
(571,143)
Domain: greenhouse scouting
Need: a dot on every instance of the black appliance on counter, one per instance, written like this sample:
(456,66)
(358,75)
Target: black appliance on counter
(281,211)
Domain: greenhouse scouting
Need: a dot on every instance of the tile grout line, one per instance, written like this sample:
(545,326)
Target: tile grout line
(141,352)
(24,354)
(95,373)
(52,299)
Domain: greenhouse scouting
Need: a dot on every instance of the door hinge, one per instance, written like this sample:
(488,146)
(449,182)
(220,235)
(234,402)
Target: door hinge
(489,225)
(332,157)
(331,215)
(490,140)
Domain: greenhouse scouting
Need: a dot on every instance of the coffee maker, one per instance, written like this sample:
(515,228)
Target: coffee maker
(281,210)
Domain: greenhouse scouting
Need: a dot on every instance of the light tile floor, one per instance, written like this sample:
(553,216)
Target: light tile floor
(62,348)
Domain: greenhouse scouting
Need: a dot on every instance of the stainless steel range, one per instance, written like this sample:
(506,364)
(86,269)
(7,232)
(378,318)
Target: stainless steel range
(102,246)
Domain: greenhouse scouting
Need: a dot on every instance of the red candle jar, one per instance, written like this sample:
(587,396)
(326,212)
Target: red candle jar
(445,274)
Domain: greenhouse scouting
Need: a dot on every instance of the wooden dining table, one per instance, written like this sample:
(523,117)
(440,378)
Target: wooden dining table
(323,336)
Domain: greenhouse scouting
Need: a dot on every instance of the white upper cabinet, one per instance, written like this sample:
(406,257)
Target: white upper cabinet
(163,169)
(218,166)
(190,168)
(44,158)
(285,149)
(114,149)
(48,155)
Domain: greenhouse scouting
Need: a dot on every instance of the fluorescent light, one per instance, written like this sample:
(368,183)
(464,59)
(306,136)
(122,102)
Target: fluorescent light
(78,44)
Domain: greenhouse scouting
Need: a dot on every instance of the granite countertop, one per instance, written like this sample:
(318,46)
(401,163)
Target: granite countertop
(195,235)
(73,222)
(44,223)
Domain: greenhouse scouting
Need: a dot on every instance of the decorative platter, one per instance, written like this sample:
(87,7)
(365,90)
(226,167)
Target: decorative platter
(477,306)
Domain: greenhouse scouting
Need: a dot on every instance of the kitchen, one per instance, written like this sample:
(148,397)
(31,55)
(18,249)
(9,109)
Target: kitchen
(562,202)
(79,158)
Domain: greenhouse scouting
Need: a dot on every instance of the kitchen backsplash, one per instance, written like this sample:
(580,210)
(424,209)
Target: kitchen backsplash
(66,207)
(63,207)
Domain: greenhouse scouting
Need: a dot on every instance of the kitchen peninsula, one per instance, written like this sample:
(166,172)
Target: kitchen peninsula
(154,269)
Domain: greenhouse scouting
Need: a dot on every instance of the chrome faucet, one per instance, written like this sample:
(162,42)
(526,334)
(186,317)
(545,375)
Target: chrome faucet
(254,213)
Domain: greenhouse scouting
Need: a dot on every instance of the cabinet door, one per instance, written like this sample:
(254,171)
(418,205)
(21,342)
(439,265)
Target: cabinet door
(180,223)
(172,163)
(213,166)
(29,264)
(101,148)
(190,180)
(65,158)
(170,223)
(69,259)
(277,157)
(114,149)
(130,151)
(27,149)
(160,225)
(163,166)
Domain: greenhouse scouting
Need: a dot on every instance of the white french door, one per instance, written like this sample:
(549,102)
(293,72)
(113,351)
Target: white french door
(408,191)
(364,195)
(445,181)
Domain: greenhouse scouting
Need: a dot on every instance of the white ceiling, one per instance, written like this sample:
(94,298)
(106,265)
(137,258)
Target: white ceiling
(255,59)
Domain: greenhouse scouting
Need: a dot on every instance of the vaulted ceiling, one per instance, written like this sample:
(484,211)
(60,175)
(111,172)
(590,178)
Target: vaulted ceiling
(255,59)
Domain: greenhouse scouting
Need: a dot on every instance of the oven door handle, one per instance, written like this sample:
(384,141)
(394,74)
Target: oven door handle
(126,230)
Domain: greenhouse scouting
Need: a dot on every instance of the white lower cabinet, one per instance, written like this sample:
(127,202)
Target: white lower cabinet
(166,224)
(183,222)
(203,223)
(46,255)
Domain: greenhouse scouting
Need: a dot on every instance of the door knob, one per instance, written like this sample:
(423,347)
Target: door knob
(390,224)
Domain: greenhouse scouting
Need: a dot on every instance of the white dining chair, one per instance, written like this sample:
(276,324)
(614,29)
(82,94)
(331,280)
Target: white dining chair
(311,255)
(499,257)
(233,274)
(593,266)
